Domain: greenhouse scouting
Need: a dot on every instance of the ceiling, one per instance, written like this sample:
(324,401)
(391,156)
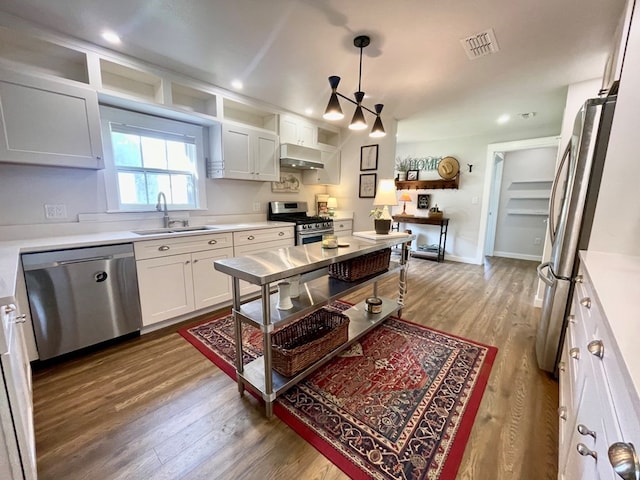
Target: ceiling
(284,50)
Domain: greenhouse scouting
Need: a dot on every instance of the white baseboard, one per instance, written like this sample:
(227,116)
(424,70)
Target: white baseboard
(518,256)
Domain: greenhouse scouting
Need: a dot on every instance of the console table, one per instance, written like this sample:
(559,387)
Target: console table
(442,243)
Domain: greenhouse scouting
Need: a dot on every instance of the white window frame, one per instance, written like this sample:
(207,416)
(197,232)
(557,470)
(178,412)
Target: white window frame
(142,120)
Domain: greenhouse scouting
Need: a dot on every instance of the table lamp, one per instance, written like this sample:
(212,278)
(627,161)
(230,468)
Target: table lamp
(405,197)
(332,204)
(385,197)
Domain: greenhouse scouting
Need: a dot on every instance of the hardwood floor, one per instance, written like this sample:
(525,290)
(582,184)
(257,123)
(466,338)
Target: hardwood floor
(155,408)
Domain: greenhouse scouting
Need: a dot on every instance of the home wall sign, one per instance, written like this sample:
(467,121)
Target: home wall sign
(419,163)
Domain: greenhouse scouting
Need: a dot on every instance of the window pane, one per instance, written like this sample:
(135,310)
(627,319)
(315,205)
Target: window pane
(126,149)
(181,156)
(154,153)
(183,189)
(159,182)
(132,187)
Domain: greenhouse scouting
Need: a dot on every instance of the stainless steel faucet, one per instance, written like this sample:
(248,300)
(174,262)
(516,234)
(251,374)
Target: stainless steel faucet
(163,208)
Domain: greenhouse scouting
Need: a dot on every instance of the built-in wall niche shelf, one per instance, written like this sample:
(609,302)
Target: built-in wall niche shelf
(193,100)
(21,50)
(529,197)
(249,115)
(428,184)
(130,81)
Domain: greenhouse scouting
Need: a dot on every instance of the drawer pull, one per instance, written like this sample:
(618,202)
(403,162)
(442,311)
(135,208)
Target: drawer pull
(596,347)
(10,308)
(624,460)
(585,451)
(281,234)
(575,353)
(163,248)
(212,242)
(561,367)
(571,318)
(583,430)
(21,318)
(251,237)
(562,413)
(586,302)
(579,279)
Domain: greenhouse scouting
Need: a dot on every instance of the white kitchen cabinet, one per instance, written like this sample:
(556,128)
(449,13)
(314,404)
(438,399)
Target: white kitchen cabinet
(254,241)
(330,174)
(248,154)
(298,131)
(46,122)
(343,228)
(176,275)
(598,404)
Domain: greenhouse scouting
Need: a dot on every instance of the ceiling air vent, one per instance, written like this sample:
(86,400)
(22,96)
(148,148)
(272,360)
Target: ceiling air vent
(480,44)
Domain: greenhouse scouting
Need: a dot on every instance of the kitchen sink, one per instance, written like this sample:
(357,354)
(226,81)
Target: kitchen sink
(163,231)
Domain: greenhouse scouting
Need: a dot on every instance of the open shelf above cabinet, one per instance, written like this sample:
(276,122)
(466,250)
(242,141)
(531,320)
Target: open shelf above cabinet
(428,184)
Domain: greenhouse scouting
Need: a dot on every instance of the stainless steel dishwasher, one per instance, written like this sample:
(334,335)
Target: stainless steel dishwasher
(82,296)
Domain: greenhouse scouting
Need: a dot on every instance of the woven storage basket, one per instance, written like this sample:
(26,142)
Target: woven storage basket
(304,341)
(362,266)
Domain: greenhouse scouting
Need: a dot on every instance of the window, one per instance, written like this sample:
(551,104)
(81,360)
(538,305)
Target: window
(146,155)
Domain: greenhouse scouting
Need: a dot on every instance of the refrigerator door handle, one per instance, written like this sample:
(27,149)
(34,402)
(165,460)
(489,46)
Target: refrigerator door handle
(554,188)
(542,276)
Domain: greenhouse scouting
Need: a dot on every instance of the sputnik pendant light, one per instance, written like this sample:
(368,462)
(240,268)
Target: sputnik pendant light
(358,122)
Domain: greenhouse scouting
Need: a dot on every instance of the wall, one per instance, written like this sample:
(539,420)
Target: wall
(462,206)
(520,236)
(347,192)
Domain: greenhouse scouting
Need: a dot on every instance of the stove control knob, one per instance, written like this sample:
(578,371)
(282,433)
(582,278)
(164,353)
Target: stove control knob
(304,227)
(317,225)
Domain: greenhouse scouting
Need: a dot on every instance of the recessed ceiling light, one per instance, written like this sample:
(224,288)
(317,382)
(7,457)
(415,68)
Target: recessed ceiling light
(111,37)
(503,118)
(308,111)
(527,115)
(237,84)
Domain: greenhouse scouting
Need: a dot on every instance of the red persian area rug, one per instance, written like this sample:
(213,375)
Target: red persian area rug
(399,403)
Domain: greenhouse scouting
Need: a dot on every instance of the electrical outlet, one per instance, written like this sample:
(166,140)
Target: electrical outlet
(474,200)
(256,206)
(55,212)
(537,241)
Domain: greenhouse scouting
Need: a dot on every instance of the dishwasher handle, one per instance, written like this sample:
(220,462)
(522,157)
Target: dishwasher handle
(82,260)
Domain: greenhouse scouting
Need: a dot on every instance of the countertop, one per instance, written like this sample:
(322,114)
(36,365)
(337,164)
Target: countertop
(616,279)
(266,267)
(10,251)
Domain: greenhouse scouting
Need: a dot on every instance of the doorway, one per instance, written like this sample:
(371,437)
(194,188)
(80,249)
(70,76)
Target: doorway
(513,218)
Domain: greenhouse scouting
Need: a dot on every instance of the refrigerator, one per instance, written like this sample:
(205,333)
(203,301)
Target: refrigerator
(571,209)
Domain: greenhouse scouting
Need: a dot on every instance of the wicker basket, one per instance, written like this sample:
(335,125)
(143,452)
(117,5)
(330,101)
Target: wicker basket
(360,267)
(304,341)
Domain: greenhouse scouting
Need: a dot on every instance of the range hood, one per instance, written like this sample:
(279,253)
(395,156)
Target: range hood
(297,156)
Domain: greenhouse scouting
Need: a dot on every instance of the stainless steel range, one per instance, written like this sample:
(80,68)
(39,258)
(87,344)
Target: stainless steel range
(309,229)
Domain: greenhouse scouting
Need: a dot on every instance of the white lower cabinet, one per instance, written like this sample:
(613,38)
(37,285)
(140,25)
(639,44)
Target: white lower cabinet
(174,283)
(597,407)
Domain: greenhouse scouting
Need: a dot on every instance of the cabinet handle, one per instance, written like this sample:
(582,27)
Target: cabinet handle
(187,262)
(571,318)
(163,248)
(561,367)
(585,451)
(583,430)
(586,302)
(251,237)
(575,353)
(280,234)
(596,347)
(195,261)
(624,460)
(10,308)
(579,278)
(562,413)
(212,242)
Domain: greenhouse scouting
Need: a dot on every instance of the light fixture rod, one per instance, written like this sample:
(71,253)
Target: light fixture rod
(355,103)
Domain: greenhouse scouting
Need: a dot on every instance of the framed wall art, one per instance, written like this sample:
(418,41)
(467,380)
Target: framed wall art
(423,201)
(412,175)
(369,157)
(368,183)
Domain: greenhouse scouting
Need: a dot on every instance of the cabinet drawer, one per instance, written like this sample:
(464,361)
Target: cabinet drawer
(261,247)
(342,225)
(173,246)
(253,237)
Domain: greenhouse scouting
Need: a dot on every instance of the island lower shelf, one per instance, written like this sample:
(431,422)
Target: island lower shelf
(360,322)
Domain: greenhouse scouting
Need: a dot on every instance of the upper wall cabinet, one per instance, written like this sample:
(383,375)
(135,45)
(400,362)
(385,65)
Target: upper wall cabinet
(247,154)
(46,122)
(329,175)
(299,131)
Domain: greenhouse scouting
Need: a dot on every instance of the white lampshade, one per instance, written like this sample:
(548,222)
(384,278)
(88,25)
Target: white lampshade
(332,202)
(386,193)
